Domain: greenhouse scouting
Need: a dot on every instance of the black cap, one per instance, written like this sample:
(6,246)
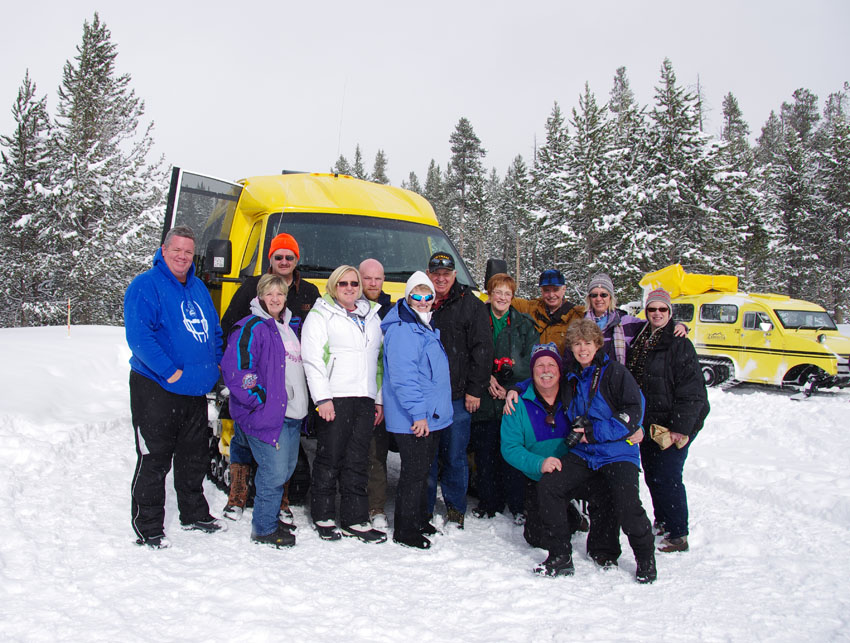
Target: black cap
(441,260)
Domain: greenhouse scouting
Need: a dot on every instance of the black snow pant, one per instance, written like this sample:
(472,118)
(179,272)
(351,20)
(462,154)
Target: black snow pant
(411,504)
(603,539)
(342,456)
(555,488)
(168,427)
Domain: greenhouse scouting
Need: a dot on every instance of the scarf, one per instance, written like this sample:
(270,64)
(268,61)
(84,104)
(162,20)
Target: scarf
(619,337)
(642,344)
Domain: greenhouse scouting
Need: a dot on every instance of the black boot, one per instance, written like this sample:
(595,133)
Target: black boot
(646,572)
(557,564)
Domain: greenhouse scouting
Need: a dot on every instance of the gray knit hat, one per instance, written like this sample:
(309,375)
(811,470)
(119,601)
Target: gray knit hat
(601,281)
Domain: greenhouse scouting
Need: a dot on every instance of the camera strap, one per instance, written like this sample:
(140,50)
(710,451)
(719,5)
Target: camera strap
(594,386)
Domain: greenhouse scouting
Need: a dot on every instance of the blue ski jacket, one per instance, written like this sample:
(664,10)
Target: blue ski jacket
(171,326)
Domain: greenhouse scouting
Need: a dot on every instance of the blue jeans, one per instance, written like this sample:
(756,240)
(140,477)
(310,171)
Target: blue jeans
(451,461)
(240,452)
(274,466)
(662,471)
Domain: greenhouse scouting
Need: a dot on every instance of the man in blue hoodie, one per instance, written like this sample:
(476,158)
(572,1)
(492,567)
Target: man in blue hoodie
(173,332)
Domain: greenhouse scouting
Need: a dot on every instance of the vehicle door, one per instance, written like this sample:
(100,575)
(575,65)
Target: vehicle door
(760,345)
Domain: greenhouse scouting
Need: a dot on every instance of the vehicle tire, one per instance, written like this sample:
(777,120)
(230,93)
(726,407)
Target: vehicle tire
(709,374)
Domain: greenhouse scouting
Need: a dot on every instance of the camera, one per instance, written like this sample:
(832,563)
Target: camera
(503,369)
(574,437)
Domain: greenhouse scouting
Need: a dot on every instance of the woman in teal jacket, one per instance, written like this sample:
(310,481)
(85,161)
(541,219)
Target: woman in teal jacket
(417,402)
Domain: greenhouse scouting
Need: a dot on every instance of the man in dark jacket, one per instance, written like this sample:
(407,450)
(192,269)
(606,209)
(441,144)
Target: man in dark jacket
(464,327)
(372,276)
(283,259)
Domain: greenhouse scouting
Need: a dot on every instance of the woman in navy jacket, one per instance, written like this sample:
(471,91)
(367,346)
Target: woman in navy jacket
(417,402)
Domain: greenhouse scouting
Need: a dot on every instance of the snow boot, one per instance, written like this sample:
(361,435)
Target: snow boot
(669,545)
(154,542)
(327,530)
(286,516)
(556,564)
(282,537)
(238,496)
(646,571)
(415,541)
(208,525)
(364,532)
(455,516)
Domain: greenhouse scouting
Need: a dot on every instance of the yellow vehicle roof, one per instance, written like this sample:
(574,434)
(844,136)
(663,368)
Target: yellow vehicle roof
(772,300)
(333,193)
(677,282)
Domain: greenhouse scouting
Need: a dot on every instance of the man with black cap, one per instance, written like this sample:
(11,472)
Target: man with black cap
(551,313)
(464,326)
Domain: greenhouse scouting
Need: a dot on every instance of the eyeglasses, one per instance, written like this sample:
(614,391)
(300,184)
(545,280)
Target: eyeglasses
(346,284)
(594,295)
(416,297)
(662,309)
(284,257)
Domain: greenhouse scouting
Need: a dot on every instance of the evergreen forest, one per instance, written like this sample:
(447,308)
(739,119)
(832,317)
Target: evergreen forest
(615,186)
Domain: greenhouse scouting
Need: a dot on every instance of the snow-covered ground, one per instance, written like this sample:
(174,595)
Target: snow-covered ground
(769,488)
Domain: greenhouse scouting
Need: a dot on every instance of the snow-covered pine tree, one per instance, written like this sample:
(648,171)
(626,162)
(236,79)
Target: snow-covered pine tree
(464,185)
(834,184)
(516,209)
(679,185)
(623,255)
(548,190)
(358,170)
(342,166)
(741,226)
(25,189)
(108,220)
(591,191)
(435,193)
(379,171)
(412,183)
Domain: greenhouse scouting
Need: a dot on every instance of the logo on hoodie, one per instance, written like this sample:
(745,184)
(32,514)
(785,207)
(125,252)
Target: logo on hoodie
(194,321)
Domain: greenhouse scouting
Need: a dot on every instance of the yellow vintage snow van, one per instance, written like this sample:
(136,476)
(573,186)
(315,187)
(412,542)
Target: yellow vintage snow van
(335,218)
(753,337)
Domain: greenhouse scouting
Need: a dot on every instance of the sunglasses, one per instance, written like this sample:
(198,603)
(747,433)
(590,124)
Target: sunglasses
(346,284)
(663,309)
(442,262)
(550,419)
(416,297)
(284,257)
(594,295)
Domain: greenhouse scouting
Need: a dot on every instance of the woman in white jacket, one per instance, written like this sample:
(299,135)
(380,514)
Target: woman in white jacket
(341,348)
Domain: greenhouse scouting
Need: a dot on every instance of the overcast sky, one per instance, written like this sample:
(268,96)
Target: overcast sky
(240,89)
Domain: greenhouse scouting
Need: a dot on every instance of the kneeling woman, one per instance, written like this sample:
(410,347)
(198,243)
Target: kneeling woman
(268,399)
(605,408)
(417,403)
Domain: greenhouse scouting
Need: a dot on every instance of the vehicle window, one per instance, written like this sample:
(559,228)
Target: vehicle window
(753,320)
(813,319)
(719,313)
(249,260)
(326,241)
(683,312)
(207,206)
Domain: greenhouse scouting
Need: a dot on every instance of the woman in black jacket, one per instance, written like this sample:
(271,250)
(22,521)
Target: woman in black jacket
(669,374)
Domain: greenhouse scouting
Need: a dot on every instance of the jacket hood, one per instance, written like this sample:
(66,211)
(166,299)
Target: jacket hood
(418,278)
(258,310)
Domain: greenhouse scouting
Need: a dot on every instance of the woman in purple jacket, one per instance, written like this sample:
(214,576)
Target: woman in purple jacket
(268,397)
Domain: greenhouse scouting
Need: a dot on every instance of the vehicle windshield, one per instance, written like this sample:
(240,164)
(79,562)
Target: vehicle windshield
(326,241)
(812,319)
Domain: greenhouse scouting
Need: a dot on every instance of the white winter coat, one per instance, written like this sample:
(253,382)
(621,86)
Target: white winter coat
(341,358)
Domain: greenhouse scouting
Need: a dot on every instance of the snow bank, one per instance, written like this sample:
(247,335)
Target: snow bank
(770,505)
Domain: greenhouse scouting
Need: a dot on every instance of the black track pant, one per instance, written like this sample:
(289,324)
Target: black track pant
(411,504)
(167,427)
(342,456)
(555,488)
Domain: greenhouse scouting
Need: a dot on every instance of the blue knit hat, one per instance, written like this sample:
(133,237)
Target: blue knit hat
(549,349)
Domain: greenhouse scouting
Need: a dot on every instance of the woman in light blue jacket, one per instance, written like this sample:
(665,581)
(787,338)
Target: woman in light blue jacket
(417,402)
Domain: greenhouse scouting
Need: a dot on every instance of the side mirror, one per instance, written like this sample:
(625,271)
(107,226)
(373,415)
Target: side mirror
(218,257)
(766,327)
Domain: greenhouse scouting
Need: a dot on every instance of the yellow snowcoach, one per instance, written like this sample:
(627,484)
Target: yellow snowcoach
(336,220)
(754,337)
